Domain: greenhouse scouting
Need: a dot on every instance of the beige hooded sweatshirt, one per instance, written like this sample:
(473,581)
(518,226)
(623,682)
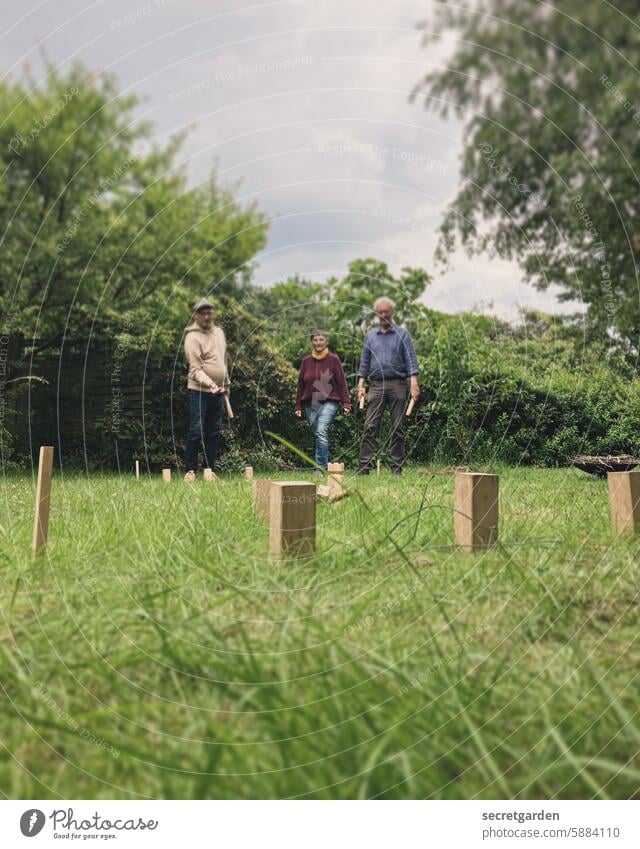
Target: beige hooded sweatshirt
(206,353)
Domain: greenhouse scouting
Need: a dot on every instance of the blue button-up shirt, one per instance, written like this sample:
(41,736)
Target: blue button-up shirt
(389,355)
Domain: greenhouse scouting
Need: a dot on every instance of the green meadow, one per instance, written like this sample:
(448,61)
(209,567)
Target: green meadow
(154,651)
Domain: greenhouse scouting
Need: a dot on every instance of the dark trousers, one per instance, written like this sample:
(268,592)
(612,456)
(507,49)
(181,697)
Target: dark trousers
(383,394)
(205,424)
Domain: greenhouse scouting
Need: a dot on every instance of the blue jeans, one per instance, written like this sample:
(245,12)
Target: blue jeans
(320,418)
(205,424)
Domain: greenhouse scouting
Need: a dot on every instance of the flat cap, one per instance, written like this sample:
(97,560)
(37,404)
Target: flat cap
(203,304)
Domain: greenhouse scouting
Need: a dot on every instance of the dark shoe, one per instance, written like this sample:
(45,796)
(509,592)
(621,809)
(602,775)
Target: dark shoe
(363,471)
(396,472)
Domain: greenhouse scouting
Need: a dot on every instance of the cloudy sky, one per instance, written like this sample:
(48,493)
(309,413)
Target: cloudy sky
(307,104)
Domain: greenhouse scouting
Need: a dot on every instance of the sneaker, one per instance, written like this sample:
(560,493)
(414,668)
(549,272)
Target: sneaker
(189,477)
(363,471)
(396,472)
(318,473)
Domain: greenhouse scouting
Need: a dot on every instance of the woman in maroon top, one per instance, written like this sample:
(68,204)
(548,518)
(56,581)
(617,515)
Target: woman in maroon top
(322,390)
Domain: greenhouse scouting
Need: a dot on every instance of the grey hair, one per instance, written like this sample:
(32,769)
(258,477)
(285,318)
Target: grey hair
(383,300)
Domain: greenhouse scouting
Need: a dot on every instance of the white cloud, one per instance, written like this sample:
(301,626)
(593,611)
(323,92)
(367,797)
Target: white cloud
(308,103)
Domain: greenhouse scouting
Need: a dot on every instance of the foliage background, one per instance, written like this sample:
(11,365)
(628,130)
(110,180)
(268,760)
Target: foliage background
(105,246)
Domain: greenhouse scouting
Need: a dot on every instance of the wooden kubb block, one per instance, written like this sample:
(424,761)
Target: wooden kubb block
(166,475)
(260,495)
(43,499)
(476,510)
(336,477)
(292,519)
(624,500)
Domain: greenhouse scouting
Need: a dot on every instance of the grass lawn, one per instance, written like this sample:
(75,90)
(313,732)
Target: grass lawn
(154,651)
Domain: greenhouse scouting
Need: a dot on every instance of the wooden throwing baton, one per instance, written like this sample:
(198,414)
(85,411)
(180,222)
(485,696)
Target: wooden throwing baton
(227,404)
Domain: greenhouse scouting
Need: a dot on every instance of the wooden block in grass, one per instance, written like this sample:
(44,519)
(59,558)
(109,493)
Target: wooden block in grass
(336,477)
(624,501)
(260,493)
(166,475)
(476,511)
(43,499)
(292,519)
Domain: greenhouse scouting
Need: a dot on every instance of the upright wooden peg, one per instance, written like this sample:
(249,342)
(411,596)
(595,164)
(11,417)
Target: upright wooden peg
(378,467)
(43,499)
(137,470)
(336,477)
(410,407)
(166,475)
(361,403)
(476,510)
(227,404)
(292,519)
(624,500)
(260,495)
(248,473)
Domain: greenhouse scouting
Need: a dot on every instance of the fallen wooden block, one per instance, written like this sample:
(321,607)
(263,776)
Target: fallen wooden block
(325,492)
(260,494)
(335,497)
(209,475)
(476,512)
(248,473)
(166,475)
(43,499)
(624,501)
(292,519)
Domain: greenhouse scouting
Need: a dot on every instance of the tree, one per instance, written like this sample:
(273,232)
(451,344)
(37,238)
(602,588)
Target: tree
(352,297)
(550,98)
(104,247)
(100,231)
(342,306)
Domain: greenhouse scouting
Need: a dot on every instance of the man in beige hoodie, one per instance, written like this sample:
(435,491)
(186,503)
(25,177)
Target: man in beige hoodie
(205,348)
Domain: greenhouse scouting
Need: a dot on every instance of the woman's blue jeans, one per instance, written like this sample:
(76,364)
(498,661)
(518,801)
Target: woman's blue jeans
(320,418)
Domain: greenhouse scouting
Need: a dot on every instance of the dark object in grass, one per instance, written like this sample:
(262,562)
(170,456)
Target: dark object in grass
(600,466)
(449,470)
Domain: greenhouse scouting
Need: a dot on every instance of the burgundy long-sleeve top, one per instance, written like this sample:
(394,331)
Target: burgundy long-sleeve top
(322,380)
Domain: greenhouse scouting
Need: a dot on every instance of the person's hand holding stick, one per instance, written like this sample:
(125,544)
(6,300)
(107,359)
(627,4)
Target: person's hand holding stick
(227,403)
(361,394)
(414,391)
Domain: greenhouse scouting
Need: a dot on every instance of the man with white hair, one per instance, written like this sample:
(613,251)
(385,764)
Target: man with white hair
(388,361)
